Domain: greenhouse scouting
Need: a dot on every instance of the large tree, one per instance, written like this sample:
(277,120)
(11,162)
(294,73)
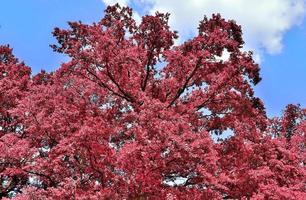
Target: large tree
(133,116)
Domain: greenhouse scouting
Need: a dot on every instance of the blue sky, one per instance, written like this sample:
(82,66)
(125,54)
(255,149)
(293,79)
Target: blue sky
(278,38)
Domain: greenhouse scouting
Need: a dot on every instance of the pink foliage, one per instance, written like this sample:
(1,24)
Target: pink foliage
(112,124)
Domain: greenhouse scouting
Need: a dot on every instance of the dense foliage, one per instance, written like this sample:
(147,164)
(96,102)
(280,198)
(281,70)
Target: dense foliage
(133,116)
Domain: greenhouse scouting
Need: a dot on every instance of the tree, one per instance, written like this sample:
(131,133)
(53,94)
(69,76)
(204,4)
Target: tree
(112,124)
(14,78)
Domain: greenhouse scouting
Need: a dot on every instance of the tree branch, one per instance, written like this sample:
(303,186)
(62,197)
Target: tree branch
(150,56)
(102,84)
(53,183)
(182,89)
(212,95)
(118,86)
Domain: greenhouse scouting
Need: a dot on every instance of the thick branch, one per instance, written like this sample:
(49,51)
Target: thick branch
(182,89)
(118,86)
(102,84)
(53,183)
(150,57)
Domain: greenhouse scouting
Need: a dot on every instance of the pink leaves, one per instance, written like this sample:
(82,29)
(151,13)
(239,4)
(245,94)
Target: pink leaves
(113,124)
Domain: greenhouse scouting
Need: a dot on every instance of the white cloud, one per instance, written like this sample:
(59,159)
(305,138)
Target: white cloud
(264,22)
(136,15)
(112,2)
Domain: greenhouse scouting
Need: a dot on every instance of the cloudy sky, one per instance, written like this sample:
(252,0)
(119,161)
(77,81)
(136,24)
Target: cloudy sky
(274,29)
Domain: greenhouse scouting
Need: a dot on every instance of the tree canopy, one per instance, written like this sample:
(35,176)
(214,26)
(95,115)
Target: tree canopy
(134,116)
